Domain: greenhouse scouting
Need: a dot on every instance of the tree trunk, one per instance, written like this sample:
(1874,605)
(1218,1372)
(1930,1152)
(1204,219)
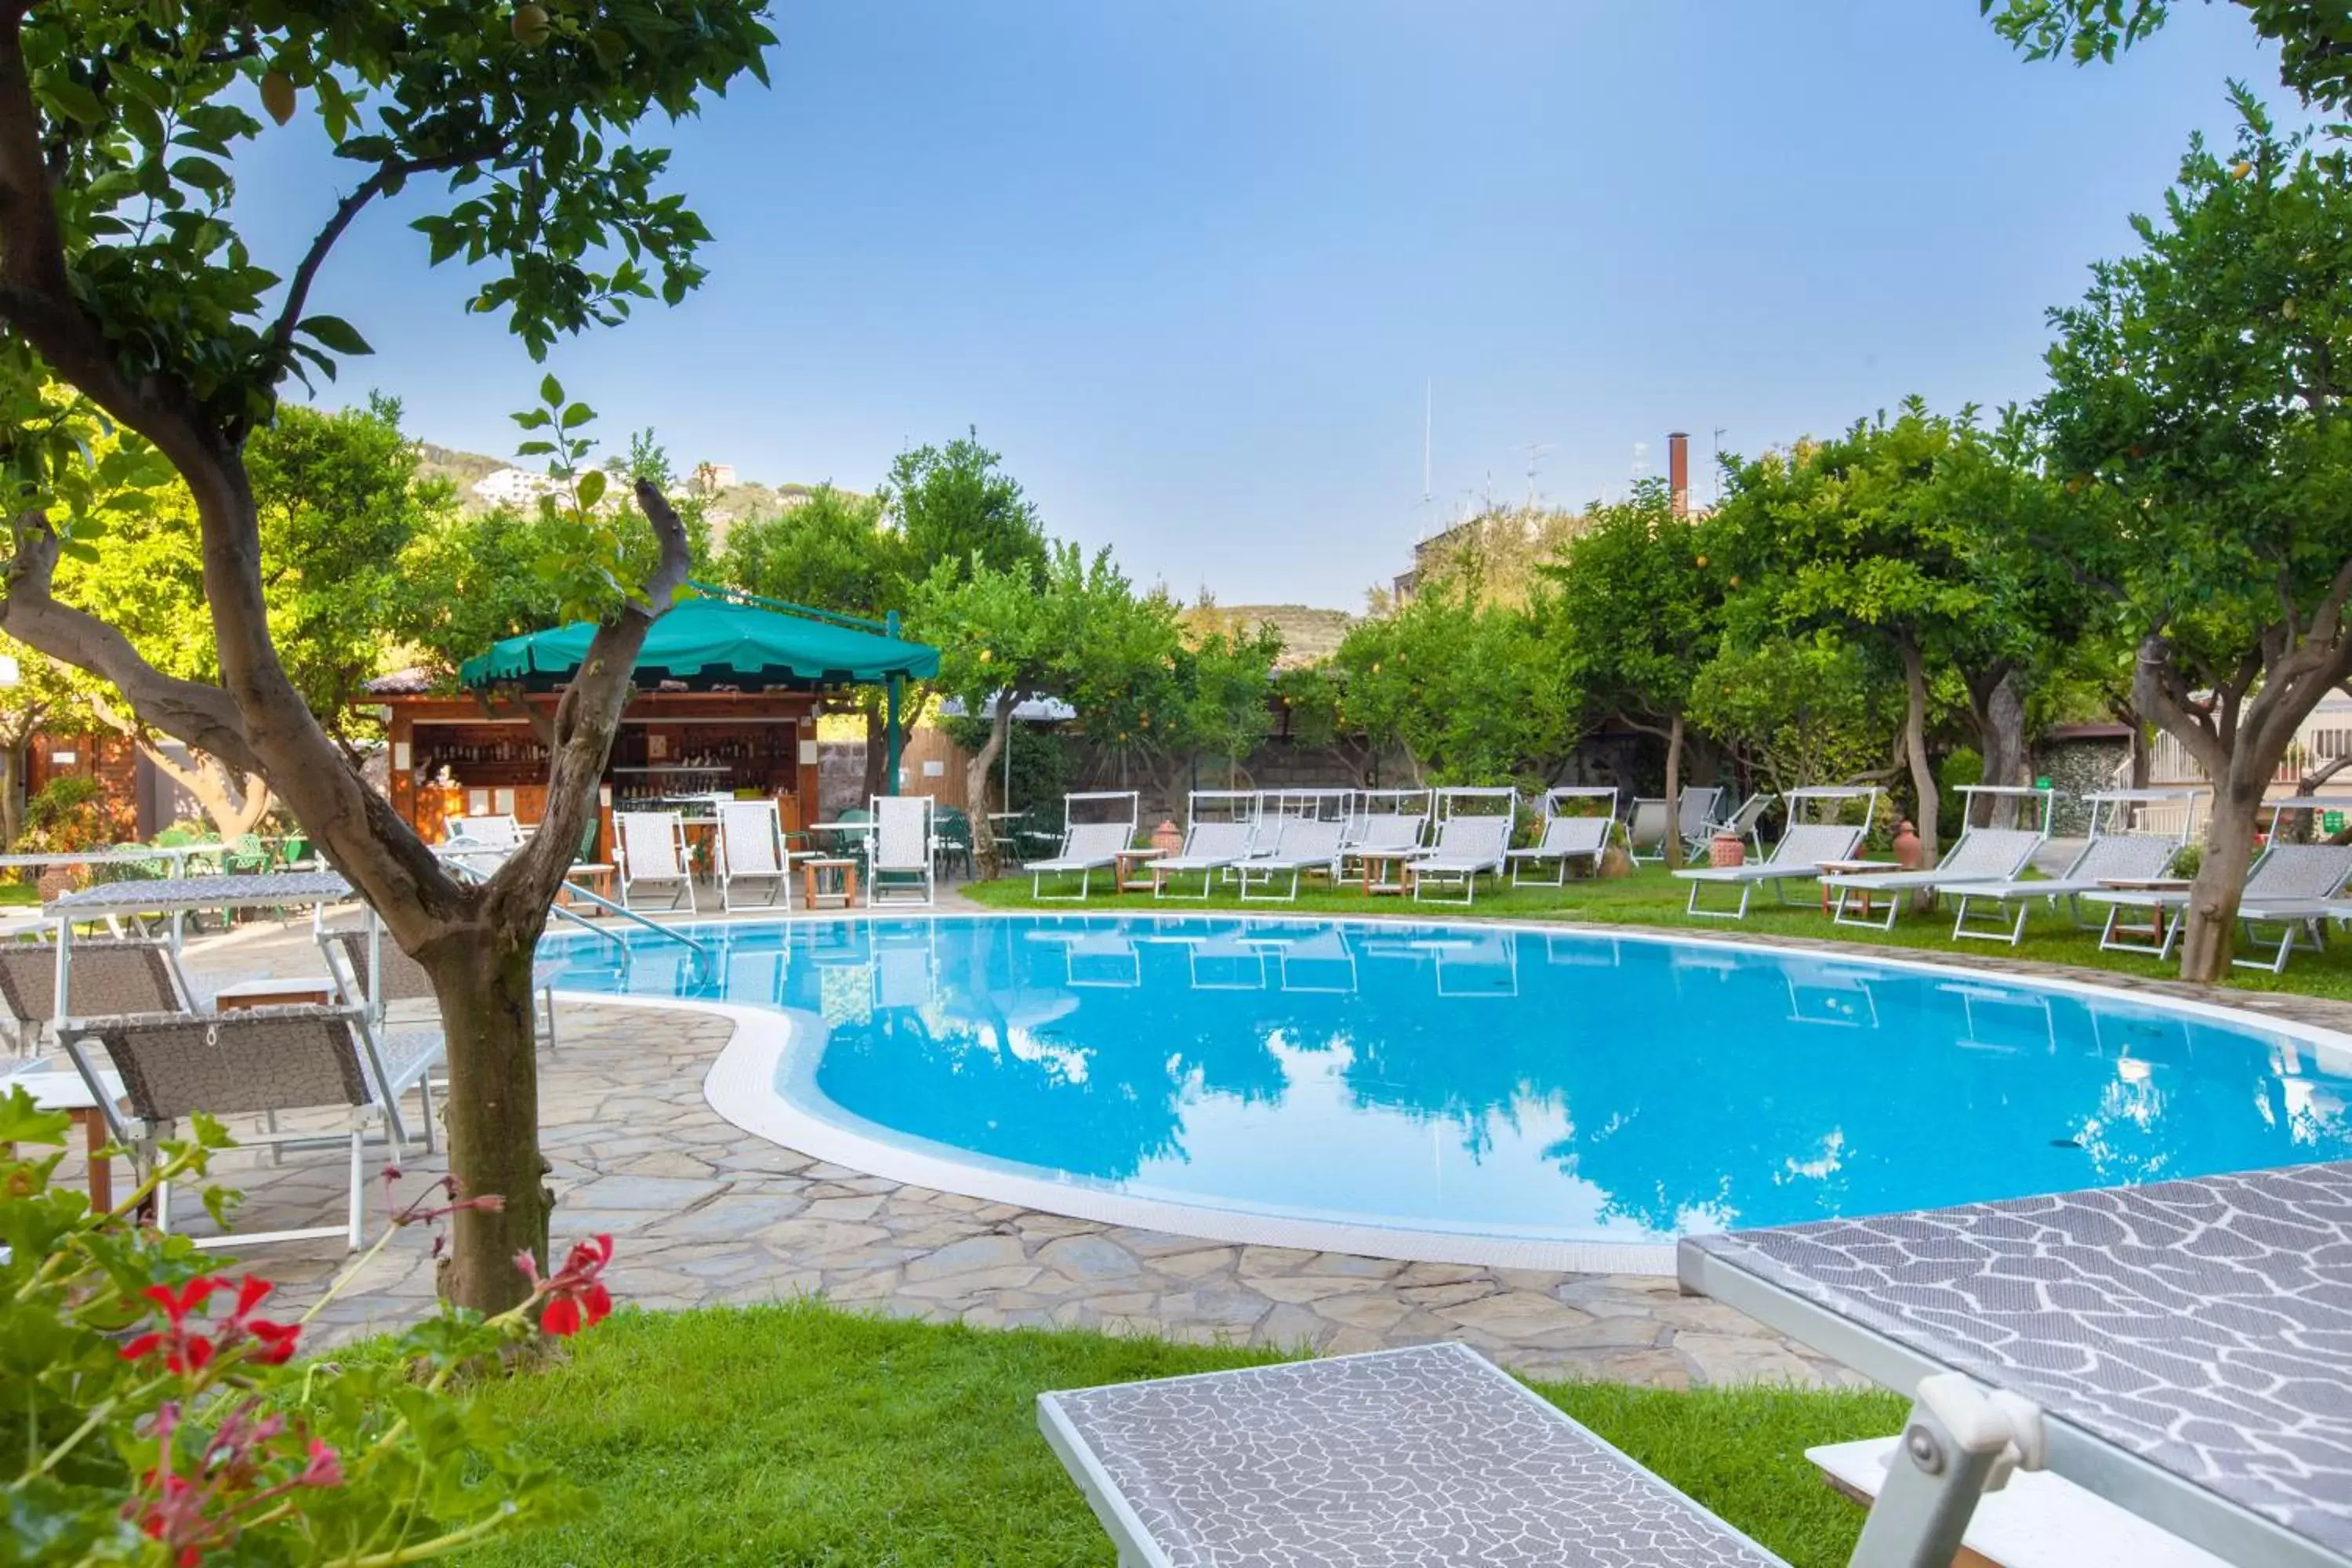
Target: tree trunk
(1674,845)
(12,792)
(979,774)
(1927,800)
(1999,712)
(482,975)
(2207,945)
(235,807)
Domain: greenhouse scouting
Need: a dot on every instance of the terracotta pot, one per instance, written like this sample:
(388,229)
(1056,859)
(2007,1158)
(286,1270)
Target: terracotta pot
(1727,849)
(1168,839)
(1908,850)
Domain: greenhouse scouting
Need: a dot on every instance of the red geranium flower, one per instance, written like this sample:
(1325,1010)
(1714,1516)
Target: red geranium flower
(576,1298)
(274,1342)
(182,1351)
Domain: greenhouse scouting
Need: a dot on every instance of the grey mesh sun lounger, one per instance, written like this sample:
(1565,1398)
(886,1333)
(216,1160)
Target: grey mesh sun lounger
(1466,847)
(1983,855)
(2111,856)
(1431,1455)
(1209,848)
(1565,838)
(1306,845)
(1087,848)
(2293,887)
(1803,849)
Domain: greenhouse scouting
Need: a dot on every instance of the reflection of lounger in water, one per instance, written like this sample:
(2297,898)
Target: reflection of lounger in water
(1226,963)
(1095,958)
(1834,996)
(1569,950)
(1487,967)
(1322,963)
(1993,1012)
(757,976)
(902,974)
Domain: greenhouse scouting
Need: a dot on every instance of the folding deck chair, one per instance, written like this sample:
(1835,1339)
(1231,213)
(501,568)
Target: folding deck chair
(1565,837)
(1743,824)
(1803,849)
(751,855)
(652,852)
(899,866)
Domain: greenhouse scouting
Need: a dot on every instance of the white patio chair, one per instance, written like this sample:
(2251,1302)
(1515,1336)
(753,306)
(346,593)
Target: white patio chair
(752,852)
(899,868)
(255,1062)
(651,850)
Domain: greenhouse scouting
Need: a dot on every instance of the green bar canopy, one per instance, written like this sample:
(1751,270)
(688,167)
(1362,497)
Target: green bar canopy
(708,642)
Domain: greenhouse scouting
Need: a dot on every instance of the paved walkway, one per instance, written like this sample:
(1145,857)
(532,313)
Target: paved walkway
(705,1213)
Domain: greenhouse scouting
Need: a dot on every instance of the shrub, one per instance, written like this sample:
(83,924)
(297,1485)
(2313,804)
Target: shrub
(160,1417)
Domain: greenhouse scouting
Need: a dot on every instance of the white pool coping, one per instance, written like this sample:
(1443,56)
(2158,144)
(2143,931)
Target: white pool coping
(742,1087)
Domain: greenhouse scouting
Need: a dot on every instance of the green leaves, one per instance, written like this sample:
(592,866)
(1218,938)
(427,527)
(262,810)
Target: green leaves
(335,333)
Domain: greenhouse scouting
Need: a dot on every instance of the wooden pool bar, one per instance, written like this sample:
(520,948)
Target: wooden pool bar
(454,757)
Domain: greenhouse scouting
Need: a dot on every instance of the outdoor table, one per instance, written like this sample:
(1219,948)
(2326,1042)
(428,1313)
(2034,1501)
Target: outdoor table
(1387,870)
(273,993)
(2158,917)
(1124,862)
(181,896)
(1853,868)
(828,879)
(58,1089)
(2181,1349)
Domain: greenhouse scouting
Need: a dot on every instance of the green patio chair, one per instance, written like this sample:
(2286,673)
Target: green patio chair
(952,839)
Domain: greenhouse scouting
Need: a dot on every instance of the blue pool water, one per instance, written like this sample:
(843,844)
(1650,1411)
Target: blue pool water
(1493,1082)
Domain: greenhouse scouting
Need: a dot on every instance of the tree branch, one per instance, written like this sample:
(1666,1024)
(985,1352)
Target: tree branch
(387,178)
(585,718)
(204,716)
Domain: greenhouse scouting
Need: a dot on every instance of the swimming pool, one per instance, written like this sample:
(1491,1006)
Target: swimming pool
(1479,1093)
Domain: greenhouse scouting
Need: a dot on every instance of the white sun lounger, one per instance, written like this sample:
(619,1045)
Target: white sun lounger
(1209,848)
(2113,854)
(1802,851)
(1304,845)
(1466,847)
(2293,887)
(1391,831)
(1087,846)
(1430,1456)
(1983,855)
(1565,838)
(1741,824)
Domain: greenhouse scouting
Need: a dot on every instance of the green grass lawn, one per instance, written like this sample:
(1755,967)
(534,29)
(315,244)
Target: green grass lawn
(1652,897)
(803,1435)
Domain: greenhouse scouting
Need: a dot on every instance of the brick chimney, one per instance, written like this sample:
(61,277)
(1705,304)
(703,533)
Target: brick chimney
(1678,472)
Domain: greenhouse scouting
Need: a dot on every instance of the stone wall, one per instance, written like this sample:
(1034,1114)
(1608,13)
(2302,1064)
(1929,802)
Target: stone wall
(2076,767)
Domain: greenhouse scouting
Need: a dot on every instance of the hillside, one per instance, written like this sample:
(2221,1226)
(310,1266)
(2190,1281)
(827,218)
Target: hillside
(1308,634)
(735,501)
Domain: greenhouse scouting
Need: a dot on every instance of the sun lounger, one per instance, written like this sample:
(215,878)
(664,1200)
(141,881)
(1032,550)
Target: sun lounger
(1304,845)
(1087,846)
(1430,1456)
(1800,856)
(1983,855)
(2294,887)
(1220,826)
(1565,838)
(2112,855)
(1466,847)
(1383,832)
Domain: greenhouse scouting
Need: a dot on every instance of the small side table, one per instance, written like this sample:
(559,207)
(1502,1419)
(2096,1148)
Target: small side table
(596,878)
(55,1088)
(1387,870)
(1124,877)
(1853,868)
(273,993)
(829,881)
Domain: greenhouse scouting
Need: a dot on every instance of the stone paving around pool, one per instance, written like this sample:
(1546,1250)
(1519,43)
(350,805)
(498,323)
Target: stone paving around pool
(706,1213)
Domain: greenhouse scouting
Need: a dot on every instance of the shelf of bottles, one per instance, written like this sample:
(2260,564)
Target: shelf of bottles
(649,761)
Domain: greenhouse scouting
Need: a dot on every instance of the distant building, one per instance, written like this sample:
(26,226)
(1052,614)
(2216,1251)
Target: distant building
(513,486)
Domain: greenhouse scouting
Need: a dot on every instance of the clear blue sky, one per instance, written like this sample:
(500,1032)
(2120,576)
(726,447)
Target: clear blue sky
(1188,266)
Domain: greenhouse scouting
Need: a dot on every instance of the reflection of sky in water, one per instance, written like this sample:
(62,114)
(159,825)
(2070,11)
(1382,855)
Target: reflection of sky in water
(1505,1082)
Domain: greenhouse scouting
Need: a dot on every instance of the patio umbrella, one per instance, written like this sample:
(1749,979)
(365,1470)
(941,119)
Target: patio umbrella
(708,642)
